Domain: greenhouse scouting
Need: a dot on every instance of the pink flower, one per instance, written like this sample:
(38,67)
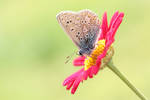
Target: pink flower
(107,34)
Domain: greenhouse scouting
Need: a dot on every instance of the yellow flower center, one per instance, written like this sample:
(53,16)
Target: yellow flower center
(91,60)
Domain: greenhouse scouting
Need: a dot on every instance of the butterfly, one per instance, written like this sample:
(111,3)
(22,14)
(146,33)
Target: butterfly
(82,27)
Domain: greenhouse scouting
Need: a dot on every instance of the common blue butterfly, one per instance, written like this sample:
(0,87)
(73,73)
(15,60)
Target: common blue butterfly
(82,27)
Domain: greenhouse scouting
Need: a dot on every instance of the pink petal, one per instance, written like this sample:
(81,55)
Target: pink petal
(69,85)
(113,18)
(95,69)
(117,23)
(85,75)
(90,72)
(104,26)
(79,61)
(72,77)
(114,22)
(75,86)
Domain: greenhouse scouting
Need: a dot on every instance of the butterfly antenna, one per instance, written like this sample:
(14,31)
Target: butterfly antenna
(69,57)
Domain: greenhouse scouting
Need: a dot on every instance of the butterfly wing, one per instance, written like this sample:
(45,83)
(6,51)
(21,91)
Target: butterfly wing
(68,21)
(79,26)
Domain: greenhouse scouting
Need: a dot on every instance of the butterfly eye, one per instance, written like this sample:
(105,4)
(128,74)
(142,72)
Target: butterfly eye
(80,53)
(78,33)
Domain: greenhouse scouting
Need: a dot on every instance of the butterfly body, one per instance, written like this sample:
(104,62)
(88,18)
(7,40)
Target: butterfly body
(82,27)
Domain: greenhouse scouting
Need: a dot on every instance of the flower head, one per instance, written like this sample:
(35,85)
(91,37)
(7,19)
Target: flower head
(103,51)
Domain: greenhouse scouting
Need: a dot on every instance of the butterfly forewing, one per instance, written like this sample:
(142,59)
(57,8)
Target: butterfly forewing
(79,26)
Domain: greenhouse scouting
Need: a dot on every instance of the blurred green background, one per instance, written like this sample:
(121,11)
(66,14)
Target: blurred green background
(33,48)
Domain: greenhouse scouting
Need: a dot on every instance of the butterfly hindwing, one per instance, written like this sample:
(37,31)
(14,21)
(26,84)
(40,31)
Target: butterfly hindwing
(82,27)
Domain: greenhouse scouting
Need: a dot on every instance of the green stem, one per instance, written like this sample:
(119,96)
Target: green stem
(124,79)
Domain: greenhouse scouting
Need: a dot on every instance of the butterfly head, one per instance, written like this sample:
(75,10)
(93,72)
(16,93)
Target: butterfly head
(84,52)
